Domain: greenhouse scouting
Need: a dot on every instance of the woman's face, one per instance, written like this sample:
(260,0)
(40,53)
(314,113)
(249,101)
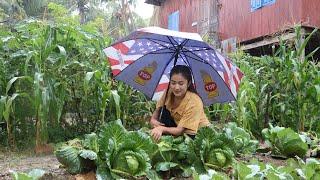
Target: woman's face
(178,85)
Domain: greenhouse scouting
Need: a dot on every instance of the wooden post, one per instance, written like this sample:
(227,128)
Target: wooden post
(302,39)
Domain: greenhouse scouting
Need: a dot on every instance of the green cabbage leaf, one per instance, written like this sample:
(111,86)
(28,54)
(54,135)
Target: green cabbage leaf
(285,142)
(123,153)
(211,150)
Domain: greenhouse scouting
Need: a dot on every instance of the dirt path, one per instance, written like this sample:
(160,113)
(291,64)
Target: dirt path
(25,163)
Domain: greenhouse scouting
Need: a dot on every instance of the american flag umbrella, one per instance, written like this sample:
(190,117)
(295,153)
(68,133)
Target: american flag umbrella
(145,58)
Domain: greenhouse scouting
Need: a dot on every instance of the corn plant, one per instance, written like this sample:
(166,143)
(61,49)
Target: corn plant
(282,89)
(6,108)
(70,88)
(295,78)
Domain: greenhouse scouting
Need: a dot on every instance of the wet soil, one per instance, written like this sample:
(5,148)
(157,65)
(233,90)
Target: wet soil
(26,162)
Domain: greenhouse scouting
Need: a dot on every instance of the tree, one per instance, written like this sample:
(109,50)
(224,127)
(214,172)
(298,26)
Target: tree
(34,8)
(11,10)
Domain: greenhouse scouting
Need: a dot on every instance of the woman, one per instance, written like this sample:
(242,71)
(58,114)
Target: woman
(183,103)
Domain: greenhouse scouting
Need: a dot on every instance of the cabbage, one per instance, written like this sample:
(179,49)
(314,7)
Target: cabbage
(124,154)
(284,141)
(211,150)
(172,154)
(76,160)
(35,174)
(78,155)
(242,140)
(130,163)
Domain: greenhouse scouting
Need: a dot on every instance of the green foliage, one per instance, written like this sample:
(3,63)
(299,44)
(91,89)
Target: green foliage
(241,138)
(57,10)
(91,142)
(295,169)
(34,174)
(118,153)
(279,89)
(69,157)
(285,141)
(34,8)
(172,155)
(115,153)
(59,14)
(77,155)
(258,170)
(212,150)
(69,88)
(126,153)
(310,168)
(212,174)
(50,60)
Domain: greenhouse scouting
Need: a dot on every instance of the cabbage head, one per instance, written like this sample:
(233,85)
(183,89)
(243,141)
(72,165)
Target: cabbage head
(172,154)
(242,142)
(211,150)
(76,156)
(284,141)
(125,154)
(129,163)
(76,160)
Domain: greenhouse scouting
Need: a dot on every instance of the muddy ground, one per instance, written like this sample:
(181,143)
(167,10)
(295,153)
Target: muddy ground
(26,162)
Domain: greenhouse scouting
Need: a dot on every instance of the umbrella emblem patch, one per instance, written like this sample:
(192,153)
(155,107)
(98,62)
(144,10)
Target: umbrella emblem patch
(209,85)
(145,74)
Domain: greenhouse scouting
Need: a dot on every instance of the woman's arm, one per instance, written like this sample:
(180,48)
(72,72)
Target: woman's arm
(176,131)
(154,119)
(157,132)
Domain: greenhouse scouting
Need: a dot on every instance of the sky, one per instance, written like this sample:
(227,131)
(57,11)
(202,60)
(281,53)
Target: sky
(143,9)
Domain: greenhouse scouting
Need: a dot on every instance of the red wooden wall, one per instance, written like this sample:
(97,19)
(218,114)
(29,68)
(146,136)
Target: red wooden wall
(237,20)
(311,12)
(188,11)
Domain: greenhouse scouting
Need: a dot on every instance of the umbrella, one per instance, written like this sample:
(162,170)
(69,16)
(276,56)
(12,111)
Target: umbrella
(145,58)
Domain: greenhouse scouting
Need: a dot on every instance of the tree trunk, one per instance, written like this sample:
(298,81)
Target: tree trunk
(81,6)
(11,140)
(38,133)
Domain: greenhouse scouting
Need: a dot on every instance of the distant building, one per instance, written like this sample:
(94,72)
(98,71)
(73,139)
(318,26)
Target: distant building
(253,24)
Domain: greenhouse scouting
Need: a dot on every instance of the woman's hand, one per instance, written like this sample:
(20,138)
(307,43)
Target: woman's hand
(155,123)
(156,132)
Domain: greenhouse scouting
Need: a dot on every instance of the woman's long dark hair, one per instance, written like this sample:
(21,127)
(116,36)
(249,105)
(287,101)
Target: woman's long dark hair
(186,73)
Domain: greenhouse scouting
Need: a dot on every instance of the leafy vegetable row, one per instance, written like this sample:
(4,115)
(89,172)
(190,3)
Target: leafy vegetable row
(116,152)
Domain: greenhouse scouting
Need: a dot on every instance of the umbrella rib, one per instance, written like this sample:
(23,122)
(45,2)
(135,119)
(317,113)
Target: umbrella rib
(195,83)
(154,52)
(154,90)
(210,66)
(155,41)
(148,54)
(184,42)
(188,63)
(172,42)
(195,58)
(200,49)
(135,62)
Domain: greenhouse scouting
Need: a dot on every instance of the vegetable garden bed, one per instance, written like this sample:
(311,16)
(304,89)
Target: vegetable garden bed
(230,152)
